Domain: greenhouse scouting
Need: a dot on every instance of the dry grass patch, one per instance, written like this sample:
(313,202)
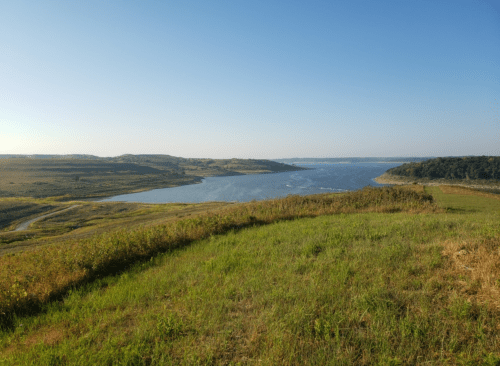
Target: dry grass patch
(49,336)
(477,264)
(46,336)
(465,191)
(419,188)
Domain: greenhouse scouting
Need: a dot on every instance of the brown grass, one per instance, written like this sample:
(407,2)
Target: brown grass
(465,191)
(416,188)
(48,336)
(477,264)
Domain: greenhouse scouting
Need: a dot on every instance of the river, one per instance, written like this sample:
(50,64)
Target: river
(320,178)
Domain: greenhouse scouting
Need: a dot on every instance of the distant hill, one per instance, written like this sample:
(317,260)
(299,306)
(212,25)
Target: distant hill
(158,161)
(461,168)
(42,156)
(168,162)
(88,176)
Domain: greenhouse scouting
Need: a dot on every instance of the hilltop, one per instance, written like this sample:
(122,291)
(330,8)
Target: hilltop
(386,276)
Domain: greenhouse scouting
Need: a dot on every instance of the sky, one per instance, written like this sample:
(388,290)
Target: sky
(250,79)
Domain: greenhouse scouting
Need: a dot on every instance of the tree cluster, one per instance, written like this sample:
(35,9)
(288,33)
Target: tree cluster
(470,167)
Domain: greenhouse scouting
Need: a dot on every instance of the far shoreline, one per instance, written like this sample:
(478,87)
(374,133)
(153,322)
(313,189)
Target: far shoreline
(400,180)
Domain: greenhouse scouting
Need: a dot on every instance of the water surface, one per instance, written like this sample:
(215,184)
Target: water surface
(320,178)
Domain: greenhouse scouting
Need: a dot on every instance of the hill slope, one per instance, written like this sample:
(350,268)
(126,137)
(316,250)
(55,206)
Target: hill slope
(383,287)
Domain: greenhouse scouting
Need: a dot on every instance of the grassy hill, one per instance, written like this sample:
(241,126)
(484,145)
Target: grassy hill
(85,176)
(386,276)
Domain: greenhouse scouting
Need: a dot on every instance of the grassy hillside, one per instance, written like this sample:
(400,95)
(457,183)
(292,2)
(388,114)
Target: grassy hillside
(379,276)
(82,177)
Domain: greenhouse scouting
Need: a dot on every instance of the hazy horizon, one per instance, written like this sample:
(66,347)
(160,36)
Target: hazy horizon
(253,79)
(264,158)
(290,158)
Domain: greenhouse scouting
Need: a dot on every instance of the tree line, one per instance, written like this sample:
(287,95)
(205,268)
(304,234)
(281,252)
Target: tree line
(469,167)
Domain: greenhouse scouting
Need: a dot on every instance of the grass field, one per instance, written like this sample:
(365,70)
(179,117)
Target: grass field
(379,276)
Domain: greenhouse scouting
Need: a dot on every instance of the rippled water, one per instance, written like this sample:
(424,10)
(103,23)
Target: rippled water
(319,179)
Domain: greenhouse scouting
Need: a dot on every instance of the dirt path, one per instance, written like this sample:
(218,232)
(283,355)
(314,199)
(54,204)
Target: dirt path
(26,224)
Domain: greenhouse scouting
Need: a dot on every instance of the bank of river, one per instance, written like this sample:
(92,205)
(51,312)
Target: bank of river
(399,180)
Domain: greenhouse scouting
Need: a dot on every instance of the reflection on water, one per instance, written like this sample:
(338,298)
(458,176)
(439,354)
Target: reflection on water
(320,179)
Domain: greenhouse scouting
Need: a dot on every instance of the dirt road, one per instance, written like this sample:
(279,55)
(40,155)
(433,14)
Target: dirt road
(26,224)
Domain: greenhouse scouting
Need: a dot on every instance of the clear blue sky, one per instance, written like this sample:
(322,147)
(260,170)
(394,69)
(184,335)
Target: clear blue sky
(250,79)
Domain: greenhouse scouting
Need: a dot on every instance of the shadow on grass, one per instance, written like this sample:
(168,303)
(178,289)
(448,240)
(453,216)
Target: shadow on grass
(459,210)
(98,279)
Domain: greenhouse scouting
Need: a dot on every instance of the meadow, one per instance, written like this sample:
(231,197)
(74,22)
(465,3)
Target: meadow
(389,276)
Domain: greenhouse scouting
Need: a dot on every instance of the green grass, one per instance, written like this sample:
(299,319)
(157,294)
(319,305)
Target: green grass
(356,287)
(33,277)
(466,200)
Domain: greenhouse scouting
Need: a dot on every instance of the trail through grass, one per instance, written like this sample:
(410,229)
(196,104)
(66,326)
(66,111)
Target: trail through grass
(93,218)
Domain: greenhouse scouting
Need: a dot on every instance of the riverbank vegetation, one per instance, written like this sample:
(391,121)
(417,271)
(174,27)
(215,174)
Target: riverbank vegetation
(377,276)
(82,177)
(479,169)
